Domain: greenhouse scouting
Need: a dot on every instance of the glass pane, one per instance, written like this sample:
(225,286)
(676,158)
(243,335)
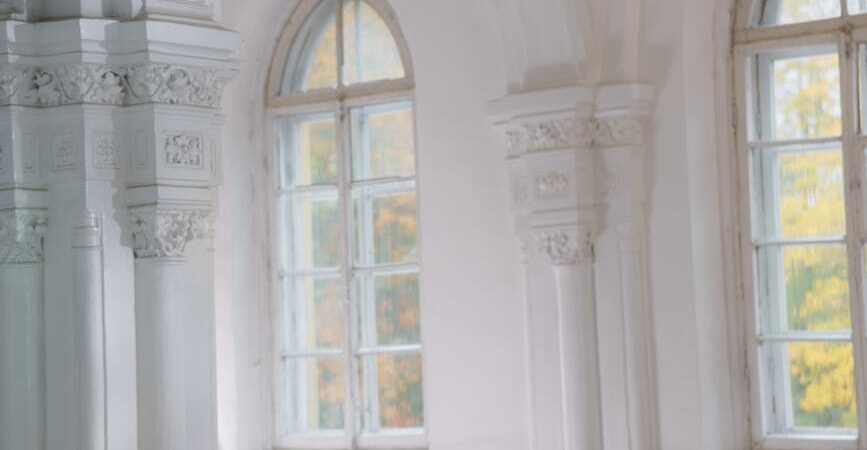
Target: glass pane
(312,62)
(804,288)
(390,309)
(805,96)
(812,387)
(314,313)
(315,236)
(392,392)
(370,51)
(386,227)
(315,391)
(308,150)
(802,193)
(383,142)
(779,12)
(857,6)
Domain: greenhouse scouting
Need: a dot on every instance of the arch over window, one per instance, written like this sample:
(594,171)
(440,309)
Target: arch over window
(800,70)
(347,262)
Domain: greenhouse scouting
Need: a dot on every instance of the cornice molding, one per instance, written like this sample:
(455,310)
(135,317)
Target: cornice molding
(165,233)
(90,83)
(565,246)
(21,236)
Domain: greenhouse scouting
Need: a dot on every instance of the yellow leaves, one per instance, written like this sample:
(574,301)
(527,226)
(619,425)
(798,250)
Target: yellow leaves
(807,97)
(826,371)
(811,193)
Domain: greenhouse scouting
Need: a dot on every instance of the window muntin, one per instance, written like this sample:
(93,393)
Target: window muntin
(802,166)
(350,355)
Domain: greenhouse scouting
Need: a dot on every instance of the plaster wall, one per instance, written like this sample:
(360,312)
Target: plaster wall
(477,374)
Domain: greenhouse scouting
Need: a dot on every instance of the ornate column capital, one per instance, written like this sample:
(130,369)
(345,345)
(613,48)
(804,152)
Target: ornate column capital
(566,246)
(21,236)
(160,233)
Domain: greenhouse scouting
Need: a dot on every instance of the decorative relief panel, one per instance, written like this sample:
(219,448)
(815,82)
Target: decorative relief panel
(552,185)
(173,85)
(63,151)
(185,151)
(109,85)
(105,151)
(619,131)
(163,233)
(565,247)
(21,236)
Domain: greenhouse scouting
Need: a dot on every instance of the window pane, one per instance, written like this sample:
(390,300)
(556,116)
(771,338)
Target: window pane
(315,235)
(392,392)
(811,385)
(308,150)
(313,313)
(312,62)
(386,227)
(804,288)
(390,309)
(857,6)
(806,97)
(370,51)
(801,192)
(779,12)
(315,387)
(383,142)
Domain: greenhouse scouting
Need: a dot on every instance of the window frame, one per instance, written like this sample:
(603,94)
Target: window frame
(845,33)
(339,101)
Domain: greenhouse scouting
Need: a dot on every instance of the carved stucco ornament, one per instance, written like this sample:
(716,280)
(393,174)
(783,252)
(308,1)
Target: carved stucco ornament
(620,131)
(21,236)
(565,246)
(165,233)
(548,135)
(93,83)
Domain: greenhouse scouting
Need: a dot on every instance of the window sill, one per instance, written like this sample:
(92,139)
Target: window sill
(397,440)
(808,442)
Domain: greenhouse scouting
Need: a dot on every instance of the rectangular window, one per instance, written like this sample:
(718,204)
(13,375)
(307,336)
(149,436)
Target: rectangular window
(350,330)
(806,261)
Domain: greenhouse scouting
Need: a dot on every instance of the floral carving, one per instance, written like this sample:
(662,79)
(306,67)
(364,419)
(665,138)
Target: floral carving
(109,85)
(184,150)
(105,152)
(619,131)
(565,247)
(162,233)
(21,236)
(174,85)
(550,135)
(552,184)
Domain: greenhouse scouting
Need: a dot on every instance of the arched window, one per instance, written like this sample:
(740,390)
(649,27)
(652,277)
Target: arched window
(340,104)
(800,78)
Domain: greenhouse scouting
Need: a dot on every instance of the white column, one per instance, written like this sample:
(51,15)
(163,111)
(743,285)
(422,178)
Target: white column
(622,118)
(553,190)
(21,326)
(570,251)
(172,130)
(89,306)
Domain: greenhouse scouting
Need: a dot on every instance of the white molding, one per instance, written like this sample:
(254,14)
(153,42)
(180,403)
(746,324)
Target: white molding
(160,233)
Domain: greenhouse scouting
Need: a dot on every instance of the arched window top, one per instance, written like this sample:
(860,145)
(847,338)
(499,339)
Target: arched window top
(334,45)
(765,13)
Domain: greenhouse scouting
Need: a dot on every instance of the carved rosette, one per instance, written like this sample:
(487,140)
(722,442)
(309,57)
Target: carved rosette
(92,83)
(21,236)
(165,233)
(565,247)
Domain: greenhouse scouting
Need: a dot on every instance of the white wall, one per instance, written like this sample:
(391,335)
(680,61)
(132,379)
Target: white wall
(471,289)
(473,320)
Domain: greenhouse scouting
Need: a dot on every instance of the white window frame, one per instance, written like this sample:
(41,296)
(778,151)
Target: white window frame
(340,101)
(845,33)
